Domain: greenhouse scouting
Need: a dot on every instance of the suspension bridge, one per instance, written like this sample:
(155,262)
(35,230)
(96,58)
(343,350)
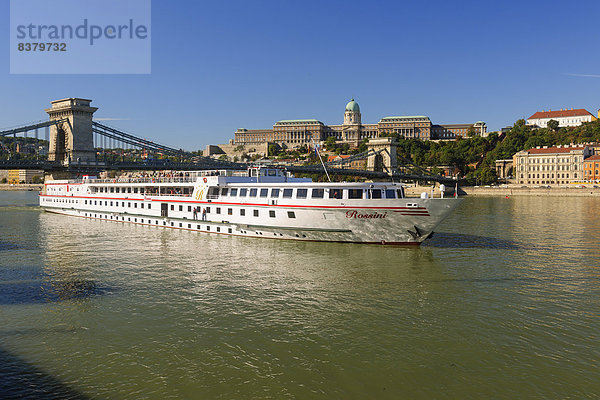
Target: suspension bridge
(79,144)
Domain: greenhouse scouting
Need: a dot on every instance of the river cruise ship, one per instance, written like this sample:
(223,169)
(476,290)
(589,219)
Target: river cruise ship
(259,202)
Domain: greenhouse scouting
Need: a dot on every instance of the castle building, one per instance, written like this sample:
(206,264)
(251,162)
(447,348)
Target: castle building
(564,117)
(299,132)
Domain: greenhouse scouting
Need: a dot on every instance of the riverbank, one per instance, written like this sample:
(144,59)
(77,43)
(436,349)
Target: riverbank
(32,187)
(509,190)
(532,191)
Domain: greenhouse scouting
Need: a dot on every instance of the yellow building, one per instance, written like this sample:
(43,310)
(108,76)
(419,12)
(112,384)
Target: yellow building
(16,176)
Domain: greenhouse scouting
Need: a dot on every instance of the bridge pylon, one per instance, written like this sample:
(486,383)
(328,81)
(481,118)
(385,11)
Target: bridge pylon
(383,157)
(71,141)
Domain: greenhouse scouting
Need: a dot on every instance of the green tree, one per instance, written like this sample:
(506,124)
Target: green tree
(330,143)
(553,125)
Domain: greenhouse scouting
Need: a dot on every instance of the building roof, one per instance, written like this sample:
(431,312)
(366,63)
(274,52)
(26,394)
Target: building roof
(405,117)
(593,158)
(333,158)
(457,126)
(555,149)
(297,121)
(352,106)
(561,113)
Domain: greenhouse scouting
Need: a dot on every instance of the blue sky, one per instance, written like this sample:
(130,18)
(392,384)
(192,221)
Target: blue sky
(218,66)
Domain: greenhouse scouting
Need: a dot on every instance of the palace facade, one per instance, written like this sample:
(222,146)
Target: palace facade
(556,165)
(299,132)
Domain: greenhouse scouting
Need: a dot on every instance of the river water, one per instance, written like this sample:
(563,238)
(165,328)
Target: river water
(503,303)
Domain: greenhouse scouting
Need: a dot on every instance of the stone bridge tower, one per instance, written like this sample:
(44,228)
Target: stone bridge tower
(385,161)
(72,141)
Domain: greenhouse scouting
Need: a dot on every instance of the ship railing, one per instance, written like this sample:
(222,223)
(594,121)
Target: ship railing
(136,180)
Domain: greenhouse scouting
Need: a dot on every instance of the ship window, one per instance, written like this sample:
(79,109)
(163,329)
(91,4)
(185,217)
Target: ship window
(208,210)
(390,194)
(230,211)
(86,202)
(111,203)
(263,192)
(355,193)
(318,193)
(301,193)
(128,204)
(242,212)
(105,203)
(112,190)
(229,230)
(287,193)
(189,225)
(400,193)
(135,190)
(197,226)
(128,190)
(207,228)
(123,204)
(256,213)
(134,205)
(224,191)
(272,213)
(291,214)
(189,208)
(180,224)
(180,208)
(253,192)
(335,193)
(375,193)
(142,205)
(172,207)
(274,192)
(243,192)
(233,192)
(218,210)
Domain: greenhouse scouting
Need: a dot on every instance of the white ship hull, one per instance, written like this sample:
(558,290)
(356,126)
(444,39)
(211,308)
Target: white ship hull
(279,215)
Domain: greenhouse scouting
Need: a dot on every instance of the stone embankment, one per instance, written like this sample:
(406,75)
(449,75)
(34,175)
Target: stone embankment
(510,190)
(36,187)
